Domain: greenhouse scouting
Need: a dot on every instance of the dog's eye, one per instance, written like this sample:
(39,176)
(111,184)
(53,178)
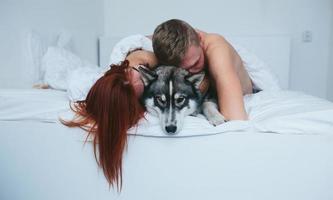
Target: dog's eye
(160,99)
(180,100)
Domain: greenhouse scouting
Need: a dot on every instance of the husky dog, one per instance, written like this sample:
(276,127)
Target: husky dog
(172,93)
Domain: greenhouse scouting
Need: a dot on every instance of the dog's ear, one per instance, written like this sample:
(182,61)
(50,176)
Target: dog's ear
(147,76)
(196,79)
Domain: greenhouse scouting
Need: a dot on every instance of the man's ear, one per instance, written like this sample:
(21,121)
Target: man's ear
(200,38)
(147,76)
(195,79)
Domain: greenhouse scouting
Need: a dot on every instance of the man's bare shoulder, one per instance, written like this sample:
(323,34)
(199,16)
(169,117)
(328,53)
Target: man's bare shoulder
(214,39)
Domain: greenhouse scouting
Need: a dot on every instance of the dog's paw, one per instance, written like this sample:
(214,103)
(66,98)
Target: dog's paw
(216,120)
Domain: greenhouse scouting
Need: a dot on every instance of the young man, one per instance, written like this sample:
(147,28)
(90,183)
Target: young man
(176,43)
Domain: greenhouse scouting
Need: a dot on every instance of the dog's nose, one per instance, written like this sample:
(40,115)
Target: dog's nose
(171,129)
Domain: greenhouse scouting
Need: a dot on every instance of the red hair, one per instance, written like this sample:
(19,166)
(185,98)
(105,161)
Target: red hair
(109,110)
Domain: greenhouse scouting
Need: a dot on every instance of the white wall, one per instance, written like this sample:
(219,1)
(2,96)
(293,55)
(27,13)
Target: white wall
(311,68)
(330,68)
(309,61)
(83,18)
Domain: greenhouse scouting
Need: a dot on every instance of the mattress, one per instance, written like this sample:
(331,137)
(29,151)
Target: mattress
(285,151)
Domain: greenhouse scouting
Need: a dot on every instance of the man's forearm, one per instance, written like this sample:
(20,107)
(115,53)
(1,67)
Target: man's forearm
(231,103)
(223,63)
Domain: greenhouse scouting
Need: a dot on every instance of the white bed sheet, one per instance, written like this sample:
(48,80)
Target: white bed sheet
(44,105)
(282,112)
(48,160)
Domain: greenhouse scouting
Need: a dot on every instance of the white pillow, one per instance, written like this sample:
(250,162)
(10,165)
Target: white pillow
(261,75)
(57,63)
(81,80)
(36,48)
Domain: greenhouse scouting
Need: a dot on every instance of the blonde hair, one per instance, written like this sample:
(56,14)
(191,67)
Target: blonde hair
(171,39)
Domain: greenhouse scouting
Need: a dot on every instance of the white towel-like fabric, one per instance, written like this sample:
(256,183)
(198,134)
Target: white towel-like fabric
(128,44)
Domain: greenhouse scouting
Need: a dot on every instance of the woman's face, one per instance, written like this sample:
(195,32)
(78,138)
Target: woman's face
(136,81)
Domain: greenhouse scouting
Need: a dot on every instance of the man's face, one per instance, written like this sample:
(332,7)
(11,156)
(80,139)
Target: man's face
(194,59)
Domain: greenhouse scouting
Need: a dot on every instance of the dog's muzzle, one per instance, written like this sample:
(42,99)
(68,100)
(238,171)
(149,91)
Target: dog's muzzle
(171,129)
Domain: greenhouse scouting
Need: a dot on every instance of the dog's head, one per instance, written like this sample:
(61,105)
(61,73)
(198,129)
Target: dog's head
(171,93)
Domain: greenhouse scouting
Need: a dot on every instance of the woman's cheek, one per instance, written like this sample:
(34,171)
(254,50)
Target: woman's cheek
(137,83)
(138,87)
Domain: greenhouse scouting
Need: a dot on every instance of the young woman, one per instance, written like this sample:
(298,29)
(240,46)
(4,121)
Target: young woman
(111,107)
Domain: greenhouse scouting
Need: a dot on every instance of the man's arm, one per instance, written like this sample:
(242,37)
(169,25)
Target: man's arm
(223,61)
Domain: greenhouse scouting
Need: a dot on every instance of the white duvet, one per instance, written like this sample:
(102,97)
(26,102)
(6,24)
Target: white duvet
(281,112)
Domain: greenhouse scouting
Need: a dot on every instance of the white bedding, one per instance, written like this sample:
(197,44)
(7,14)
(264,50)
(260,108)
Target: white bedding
(32,104)
(48,160)
(283,112)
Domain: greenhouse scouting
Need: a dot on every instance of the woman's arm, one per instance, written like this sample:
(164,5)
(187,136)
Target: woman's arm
(142,57)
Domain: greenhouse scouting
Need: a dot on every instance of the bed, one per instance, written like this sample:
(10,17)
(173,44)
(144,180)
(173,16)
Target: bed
(285,150)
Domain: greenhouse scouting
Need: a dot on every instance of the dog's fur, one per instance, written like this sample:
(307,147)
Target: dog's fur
(172,93)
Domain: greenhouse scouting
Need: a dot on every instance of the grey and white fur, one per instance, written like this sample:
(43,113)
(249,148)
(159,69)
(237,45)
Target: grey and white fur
(172,93)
